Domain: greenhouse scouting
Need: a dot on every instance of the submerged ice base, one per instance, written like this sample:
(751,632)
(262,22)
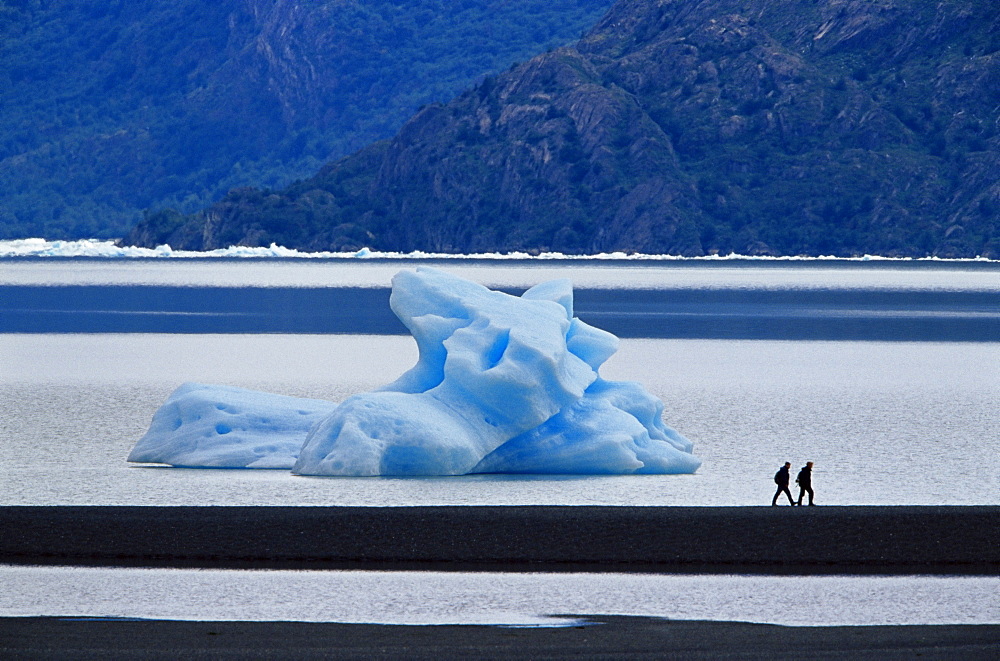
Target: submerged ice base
(503,384)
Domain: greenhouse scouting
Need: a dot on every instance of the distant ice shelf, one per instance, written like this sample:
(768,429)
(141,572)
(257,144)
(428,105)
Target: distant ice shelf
(96,248)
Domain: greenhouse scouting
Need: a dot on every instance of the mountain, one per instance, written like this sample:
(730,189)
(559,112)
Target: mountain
(770,127)
(109,107)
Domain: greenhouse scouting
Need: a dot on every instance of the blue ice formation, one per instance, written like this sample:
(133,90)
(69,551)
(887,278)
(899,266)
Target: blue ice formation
(207,426)
(503,384)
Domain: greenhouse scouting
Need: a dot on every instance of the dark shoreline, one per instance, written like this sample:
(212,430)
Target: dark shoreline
(769,540)
(604,637)
(833,540)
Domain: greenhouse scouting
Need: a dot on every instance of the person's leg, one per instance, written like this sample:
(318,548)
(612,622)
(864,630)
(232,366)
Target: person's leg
(789,494)
(810,497)
(802,492)
(774,501)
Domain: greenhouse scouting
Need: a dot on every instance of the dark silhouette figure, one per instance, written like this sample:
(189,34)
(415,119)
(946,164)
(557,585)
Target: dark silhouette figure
(805,482)
(781,479)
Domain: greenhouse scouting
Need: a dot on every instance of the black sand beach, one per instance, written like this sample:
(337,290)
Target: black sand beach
(832,540)
(605,637)
(770,540)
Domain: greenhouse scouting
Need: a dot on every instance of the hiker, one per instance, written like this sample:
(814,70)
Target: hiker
(804,480)
(781,479)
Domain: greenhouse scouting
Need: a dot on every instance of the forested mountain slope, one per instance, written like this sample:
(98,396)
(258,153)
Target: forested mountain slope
(839,127)
(109,107)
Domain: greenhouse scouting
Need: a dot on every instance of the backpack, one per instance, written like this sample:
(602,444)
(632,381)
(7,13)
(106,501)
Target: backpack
(777,477)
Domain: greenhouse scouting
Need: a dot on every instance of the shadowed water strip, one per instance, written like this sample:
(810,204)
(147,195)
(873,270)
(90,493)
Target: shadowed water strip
(885,315)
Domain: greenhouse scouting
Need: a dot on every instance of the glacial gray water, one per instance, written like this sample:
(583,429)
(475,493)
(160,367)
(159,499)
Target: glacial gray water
(885,423)
(883,374)
(533,599)
(910,420)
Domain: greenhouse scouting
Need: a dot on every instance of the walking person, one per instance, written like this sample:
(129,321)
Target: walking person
(805,482)
(781,479)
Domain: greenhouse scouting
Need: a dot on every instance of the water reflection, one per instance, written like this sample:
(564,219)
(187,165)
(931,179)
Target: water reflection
(492,598)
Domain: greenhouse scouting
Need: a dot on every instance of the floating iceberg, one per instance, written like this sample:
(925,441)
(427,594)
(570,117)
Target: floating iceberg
(503,384)
(206,426)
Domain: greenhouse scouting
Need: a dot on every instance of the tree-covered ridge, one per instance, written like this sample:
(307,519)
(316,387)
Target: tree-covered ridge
(842,127)
(834,127)
(109,107)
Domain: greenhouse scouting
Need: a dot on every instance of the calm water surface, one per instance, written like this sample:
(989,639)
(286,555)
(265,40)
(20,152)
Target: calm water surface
(491,598)
(885,375)
(598,274)
(816,300)
(885,423)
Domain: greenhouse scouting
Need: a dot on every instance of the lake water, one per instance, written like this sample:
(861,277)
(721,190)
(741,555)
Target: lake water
(493,598)
(885,375)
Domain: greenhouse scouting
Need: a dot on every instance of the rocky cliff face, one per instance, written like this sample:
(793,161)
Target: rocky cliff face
(680,126)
